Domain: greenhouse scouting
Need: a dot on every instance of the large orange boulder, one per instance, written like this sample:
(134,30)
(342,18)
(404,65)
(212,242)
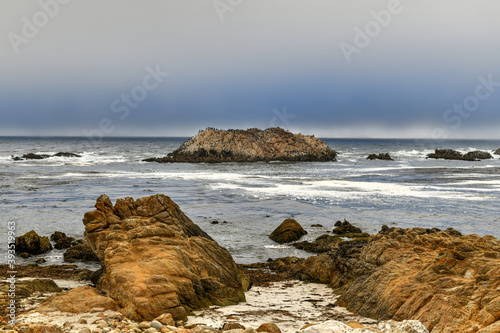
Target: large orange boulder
(157,260)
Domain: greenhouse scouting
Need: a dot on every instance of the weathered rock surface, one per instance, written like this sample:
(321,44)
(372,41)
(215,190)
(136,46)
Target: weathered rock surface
(272,144)
(450,154)
(380,156)
(446,281)
(32,243)
(157,260)
(61,240)
(77,300)
(288,231)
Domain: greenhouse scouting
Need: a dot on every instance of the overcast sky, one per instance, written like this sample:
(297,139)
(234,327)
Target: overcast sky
(336,68)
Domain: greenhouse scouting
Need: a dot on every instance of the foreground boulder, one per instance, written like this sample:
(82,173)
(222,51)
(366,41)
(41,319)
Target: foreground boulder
(450,154)
(380,156)
(32,243)
(272,144)
(157,260)
(446,281)
(288,231)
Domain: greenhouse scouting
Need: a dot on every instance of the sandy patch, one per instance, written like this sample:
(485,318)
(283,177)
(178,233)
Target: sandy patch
(290,305)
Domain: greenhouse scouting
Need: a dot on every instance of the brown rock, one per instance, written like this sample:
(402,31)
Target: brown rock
(272,144)
(32,243)
(157,260)
(232,326)
(78,300)
(62,241)
(166,319)
(80,251)
(288,231)
(446,281)
(269,327)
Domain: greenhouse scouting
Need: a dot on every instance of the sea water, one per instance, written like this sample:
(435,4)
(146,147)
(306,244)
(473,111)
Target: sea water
(249,200)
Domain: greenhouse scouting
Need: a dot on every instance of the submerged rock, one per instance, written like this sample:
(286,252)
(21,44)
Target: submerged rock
(32,156)
(65,154)
(380,156)
(450,154)
(288,231)
(32,243)
(446,281)
(157,260)
(272,144)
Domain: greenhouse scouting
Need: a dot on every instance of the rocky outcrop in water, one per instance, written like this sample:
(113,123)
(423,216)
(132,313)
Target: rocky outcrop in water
(32,243)
(272,144)
(325,243)
(80,250)
(157,260)
(32,156)
(288,231)
(380,156)
(450,154)
(447,281)
(497,152)
(61,240)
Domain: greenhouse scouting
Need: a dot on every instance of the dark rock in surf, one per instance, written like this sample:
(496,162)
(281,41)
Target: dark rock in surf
(345,228)
(61,240)
(32,156)
(64,154)
(32,243)
(80,251)
(497,152)
(380,156)
(288,231)
(450,154)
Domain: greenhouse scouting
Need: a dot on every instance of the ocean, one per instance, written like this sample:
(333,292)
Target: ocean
(251,198)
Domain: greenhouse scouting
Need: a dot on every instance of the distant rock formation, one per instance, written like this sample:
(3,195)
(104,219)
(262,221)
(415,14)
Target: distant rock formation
(446,281)
(450,154)
(288,231)
(380,156)
(157,260)
(32,156)
(32,243)
(272,144)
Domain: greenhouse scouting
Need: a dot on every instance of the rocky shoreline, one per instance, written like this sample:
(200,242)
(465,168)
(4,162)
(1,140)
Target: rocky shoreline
(162,273)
